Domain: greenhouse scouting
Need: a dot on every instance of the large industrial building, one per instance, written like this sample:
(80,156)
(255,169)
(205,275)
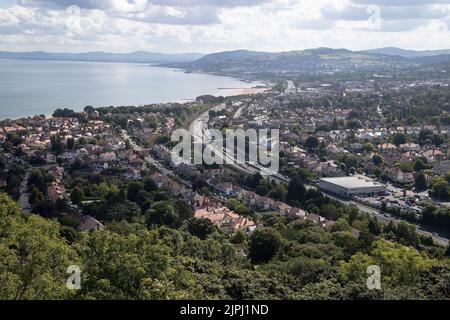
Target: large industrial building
(352,186)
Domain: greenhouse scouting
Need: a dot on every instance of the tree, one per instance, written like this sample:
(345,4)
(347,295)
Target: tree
(420,165)
(440,188)
(238,237)
(131,267)
(39,179)
(374,226)
(162,213)
(334,124)
(200,228)
(36,197)
(254,180)
(368,147)
(296,190)
(57,145)
(261,190)
(89,109)
(34,257)
(133,190)
(420,182)
(406,234)
(399,138)
(124,211)
(330,212)
(400,265)
(8,211)
(70,143)
(183,209)
(447,251)
(238,207)
(62,205)
(377,160)
(347,242)
(77,195)
(264,244)
(150,185)
(312,143)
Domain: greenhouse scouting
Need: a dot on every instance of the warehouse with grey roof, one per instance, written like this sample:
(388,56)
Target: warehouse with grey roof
(352,186)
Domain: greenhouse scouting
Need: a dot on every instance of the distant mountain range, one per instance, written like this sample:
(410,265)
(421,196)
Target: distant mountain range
(391,51)
(134,57)
(253,64)
(256,64)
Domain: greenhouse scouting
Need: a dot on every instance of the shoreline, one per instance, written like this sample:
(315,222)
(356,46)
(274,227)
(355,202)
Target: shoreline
(245,87)
(233,92)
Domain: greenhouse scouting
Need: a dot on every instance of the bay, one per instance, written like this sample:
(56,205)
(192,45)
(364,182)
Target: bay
(29,87)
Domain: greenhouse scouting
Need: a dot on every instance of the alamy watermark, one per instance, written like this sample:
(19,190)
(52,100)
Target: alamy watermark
(73,282)
(374,19)
(250,150)
(374,277)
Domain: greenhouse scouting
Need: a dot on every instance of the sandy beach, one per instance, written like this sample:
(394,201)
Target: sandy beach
(230,92)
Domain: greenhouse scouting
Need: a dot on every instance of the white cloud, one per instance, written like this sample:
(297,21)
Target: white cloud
(210,25)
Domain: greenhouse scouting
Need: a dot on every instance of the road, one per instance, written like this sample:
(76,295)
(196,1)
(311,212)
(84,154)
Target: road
(437,237)
(24,199)
(290,89)
(152,161)
(202,122)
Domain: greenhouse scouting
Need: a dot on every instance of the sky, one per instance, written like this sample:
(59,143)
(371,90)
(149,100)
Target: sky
(207,26)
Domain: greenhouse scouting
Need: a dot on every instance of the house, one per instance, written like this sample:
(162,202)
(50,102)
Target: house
(433,154)
(403,177)
(315,218)
(132,174)
(57,172)
(409,147)
(398,175)
(107,157)
(356,147)
(238,192)
(297,213)
(55,192)
(442,168)
(90,224)
(50,157)
(283,208)
(225,188)
(386,147)
(227,220)
(265,203)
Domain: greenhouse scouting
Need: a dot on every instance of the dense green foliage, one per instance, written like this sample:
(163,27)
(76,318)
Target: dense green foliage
(194,260)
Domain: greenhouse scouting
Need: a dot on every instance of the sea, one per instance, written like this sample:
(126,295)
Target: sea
(34,87)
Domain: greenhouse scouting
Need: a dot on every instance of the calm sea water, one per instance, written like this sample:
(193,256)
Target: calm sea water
(39,87)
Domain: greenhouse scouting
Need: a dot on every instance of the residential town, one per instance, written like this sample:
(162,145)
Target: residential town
(359,166)
(318,139)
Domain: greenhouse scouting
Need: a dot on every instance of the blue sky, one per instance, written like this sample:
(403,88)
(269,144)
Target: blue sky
(211,25)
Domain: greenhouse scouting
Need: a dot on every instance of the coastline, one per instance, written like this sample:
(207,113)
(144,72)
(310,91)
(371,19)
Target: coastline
(244,91)
(259,86)
(239,87)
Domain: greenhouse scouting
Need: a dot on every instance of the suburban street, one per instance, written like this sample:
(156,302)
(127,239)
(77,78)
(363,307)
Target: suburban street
(202,123)
(438,237)
(24,194)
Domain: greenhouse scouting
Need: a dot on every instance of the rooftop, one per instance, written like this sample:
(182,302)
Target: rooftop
(353,182)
